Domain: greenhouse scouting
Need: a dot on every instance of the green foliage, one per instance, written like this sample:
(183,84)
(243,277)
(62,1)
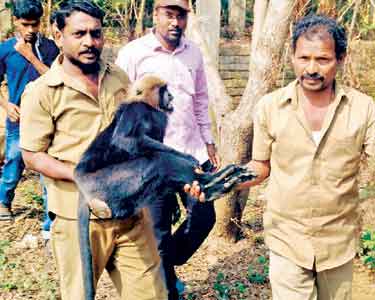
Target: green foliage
(3,259)
(260,274)
(4,265)
(221,288)
(31,195)
(367,248)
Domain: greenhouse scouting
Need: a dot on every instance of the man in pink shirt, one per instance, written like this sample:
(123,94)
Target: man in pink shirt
(166,53)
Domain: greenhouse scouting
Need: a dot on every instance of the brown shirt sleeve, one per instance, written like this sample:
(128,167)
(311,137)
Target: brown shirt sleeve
(369,145)
(36,123)
(262,140)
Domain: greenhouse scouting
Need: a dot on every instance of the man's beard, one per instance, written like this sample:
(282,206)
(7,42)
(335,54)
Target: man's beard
(174,39)
(86,68)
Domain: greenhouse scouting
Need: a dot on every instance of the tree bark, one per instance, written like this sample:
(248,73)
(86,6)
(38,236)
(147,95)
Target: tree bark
(237,16)
(208,14)
(260,11)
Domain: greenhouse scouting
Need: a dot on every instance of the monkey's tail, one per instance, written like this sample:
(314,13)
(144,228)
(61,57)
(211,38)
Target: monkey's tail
(85,248)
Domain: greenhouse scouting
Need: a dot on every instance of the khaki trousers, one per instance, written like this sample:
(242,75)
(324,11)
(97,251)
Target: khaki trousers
(292,282)
(126,248)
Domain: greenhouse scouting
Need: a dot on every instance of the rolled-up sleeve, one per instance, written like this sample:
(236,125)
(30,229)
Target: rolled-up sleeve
(262,140)
(201,103)
(36,122)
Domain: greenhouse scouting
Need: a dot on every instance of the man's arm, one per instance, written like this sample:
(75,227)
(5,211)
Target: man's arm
(25,49)
(3,95)
(47,165)
(12,110)
(201,113)
(261,168)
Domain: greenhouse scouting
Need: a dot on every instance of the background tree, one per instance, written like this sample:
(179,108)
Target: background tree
(234,126)
(208,13)
(237,16)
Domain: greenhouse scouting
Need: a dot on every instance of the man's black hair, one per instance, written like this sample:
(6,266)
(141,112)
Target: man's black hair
(28,9)
(71,6)
(316,25)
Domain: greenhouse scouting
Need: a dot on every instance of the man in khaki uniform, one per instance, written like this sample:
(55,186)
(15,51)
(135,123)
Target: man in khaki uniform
(61,114)
(308,139)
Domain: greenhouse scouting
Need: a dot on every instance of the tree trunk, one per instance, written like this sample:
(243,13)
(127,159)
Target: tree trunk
(208,13)
(349,76)
(220,101)
(139,25)
(236,127)
(237,16)
(327,7)
(260,11)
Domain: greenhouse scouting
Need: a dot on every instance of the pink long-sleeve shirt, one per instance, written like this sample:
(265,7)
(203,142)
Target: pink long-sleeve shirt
(189,126)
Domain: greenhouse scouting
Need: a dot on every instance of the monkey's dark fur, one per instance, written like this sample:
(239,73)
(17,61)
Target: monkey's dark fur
(127,166)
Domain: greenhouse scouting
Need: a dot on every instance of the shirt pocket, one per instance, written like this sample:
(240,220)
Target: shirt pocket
(342,157)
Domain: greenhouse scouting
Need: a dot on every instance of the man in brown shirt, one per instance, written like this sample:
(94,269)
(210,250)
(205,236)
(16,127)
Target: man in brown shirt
(61,114)
(308,139)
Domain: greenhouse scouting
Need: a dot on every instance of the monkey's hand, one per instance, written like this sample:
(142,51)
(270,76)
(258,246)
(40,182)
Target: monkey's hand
(225,180)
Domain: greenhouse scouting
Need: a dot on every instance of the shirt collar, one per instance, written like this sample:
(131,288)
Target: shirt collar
(57,75)
(155,44)
(290,94)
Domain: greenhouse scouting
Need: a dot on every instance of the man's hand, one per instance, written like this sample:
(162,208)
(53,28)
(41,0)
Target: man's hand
(13,112)
(195,191)
(24,49)
(100,209)
(213,156)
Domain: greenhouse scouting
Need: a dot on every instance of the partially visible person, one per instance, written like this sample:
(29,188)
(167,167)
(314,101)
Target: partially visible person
(309,138)
(3,116)
(61,114)
(23,58)
(166,53)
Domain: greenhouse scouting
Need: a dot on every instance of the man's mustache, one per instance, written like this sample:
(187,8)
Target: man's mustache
(177,29)
(90,51)
(314,76)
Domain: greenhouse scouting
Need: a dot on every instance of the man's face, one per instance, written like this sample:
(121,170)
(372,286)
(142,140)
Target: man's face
(27,29)
(82,40)
(170,24)
(315,62)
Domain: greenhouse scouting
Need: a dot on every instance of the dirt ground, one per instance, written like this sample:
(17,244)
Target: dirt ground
(217,271)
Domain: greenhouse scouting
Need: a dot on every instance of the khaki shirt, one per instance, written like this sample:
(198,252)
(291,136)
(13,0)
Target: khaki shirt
(59,116)
(312,193)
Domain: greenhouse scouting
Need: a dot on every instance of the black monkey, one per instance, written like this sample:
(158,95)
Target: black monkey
(128,165)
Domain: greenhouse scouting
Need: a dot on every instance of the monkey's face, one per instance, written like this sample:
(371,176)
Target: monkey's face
(165,99)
